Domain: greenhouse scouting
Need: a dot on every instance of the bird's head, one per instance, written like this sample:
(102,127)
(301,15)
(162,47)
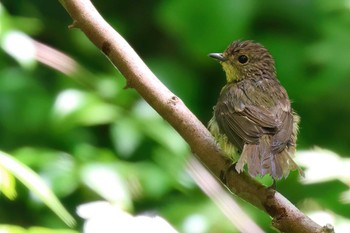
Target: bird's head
(246,59)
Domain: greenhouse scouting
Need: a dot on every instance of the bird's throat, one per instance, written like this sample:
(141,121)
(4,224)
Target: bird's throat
(231,72)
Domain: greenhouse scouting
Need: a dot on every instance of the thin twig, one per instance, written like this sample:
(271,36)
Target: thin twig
(286,217)
(221,197)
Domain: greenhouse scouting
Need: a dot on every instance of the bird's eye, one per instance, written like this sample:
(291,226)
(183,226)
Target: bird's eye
(242,59)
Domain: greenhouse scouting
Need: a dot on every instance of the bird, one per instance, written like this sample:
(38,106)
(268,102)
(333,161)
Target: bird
(253,122)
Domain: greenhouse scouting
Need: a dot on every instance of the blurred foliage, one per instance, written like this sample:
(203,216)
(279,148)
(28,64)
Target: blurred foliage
(10,166)
(102,142)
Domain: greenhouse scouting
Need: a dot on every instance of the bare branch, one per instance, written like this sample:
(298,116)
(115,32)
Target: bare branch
(286,217)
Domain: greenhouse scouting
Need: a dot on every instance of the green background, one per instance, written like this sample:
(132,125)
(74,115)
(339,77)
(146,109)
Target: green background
(112,129)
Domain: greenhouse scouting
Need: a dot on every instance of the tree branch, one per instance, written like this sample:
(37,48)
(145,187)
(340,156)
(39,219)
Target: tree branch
(286,217)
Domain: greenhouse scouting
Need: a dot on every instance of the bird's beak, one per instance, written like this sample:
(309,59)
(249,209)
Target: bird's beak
(218,56)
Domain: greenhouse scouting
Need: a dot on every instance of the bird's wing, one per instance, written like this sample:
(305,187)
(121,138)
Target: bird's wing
(245,112)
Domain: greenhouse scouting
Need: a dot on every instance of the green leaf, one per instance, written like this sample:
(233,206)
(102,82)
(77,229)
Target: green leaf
(75,107)
(107,181)
(7,184)
(33,182)
(48,230)
(12,229)
(18,229)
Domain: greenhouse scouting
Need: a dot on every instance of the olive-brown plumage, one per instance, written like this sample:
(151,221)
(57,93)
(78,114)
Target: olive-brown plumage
(253,120)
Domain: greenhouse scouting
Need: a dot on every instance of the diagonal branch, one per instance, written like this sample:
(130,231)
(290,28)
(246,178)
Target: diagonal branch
(286,217)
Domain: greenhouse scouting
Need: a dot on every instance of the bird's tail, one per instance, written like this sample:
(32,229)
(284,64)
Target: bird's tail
(261,160)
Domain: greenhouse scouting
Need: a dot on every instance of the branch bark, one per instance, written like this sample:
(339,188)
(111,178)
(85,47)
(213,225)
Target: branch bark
(285,216)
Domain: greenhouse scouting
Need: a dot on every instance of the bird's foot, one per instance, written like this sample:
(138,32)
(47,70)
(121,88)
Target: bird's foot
(272,189)
(273,185)
(223,174)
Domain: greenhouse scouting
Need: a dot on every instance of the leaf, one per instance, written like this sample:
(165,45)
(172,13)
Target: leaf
(17,229)
(33,182)
(7,184)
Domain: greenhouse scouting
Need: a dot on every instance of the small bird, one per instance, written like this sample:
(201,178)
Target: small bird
(253,120)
